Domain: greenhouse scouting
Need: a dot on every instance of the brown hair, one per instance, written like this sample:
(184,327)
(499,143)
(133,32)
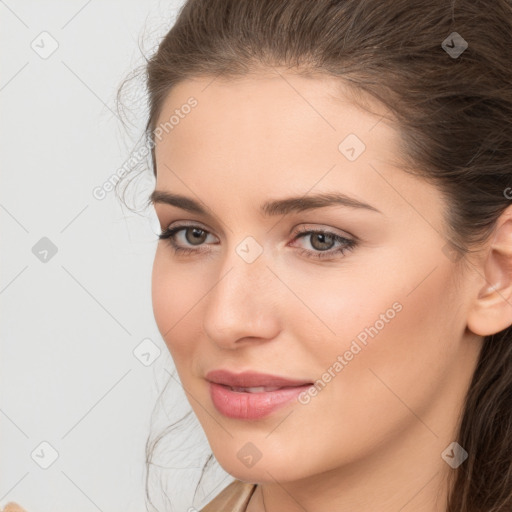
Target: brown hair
(454,116)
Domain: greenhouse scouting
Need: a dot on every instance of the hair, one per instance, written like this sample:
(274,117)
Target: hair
(454,119)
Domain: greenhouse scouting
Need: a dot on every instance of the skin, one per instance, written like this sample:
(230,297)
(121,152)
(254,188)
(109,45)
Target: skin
(372,438)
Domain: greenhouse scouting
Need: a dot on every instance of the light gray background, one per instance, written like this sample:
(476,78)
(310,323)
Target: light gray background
(69,376)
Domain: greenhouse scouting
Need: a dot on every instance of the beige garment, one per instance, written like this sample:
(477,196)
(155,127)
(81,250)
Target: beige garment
(234,498)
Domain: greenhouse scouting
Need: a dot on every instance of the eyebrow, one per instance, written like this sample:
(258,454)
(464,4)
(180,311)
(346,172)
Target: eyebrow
(269,208)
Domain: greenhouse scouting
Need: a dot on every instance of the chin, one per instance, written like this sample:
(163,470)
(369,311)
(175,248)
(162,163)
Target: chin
(265,470)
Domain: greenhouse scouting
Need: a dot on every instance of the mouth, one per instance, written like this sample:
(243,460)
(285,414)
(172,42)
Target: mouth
(256,389)
(242,399)
(253,403)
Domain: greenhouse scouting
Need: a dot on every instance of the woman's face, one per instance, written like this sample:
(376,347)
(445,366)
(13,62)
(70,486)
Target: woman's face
(376,318)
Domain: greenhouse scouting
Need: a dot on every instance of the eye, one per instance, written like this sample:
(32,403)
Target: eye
(194,235)
(321,241)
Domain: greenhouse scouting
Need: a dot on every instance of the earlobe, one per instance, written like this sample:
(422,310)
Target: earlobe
(491,311)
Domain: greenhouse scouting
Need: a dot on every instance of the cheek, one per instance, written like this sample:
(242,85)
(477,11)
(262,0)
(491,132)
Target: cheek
(174,291)
(330,307)
(405,365)
(398,344)
(395,322)
(396,305)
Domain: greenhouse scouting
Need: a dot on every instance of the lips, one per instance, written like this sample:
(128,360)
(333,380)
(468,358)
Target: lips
(251,395)
(249,379)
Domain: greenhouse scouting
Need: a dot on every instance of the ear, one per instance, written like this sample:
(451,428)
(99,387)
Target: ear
(491,311)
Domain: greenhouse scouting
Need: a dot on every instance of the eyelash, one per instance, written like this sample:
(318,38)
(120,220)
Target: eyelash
(349,244)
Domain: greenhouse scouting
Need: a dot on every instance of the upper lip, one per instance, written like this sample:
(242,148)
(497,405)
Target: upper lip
(249,379)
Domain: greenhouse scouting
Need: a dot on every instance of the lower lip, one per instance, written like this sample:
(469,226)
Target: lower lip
(251,406)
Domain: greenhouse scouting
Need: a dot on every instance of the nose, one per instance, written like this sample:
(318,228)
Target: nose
(242,305)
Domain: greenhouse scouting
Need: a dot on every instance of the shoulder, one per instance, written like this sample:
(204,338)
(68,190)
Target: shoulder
(233,498)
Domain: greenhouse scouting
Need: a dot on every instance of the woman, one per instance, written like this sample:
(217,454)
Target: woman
(334,274)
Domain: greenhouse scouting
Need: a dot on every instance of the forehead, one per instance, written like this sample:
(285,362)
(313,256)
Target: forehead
(262,105)
(271,135)
(263,121)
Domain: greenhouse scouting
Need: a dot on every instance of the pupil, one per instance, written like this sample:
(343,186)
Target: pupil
(197,237)
(322,237)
